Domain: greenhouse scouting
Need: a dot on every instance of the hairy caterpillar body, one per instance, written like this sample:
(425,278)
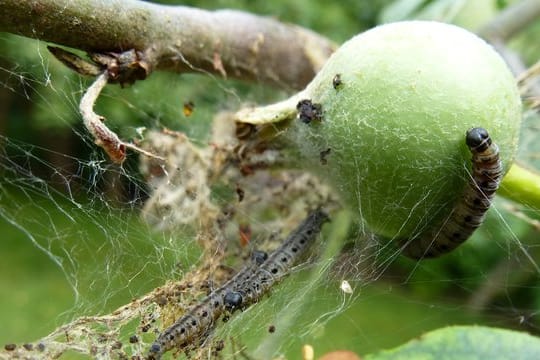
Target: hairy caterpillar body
(244,289)
(469,213)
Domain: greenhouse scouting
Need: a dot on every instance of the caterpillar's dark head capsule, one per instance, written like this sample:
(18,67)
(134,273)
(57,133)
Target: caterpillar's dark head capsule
(259,257)
(478,139)
(233,300)
(155,352)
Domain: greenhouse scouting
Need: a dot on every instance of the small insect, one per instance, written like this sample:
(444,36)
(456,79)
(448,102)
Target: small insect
(244,289)
(309,111)
(469,213)
(10,347)
(240,192)
(323,154)
(188,108)
(133,339)
(336,81)
(271,329)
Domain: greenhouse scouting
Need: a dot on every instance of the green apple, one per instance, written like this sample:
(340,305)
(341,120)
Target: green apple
(393,105)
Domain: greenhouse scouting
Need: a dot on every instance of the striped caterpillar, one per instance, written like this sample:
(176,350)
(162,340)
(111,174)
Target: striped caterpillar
(244,289)
(469,213)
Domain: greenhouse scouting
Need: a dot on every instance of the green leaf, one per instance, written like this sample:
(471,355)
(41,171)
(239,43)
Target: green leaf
(466,343)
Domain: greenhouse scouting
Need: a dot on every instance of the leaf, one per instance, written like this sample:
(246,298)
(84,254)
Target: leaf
(466,343)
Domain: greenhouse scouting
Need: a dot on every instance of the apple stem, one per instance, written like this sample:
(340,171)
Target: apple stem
(521,185)
(273,113)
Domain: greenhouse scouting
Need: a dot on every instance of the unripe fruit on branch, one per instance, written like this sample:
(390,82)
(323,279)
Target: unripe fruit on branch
(393,105)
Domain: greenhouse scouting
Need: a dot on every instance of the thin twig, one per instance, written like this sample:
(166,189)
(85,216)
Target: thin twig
(503,27)
(103,136)
(530,73)
(535,224)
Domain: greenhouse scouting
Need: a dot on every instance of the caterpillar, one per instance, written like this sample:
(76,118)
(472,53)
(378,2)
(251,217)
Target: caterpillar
(470,210)
(200,319)
(244,289)
(281,260)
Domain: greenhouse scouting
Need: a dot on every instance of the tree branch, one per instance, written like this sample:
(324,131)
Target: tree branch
(507,24)
(511,21)
(176,38)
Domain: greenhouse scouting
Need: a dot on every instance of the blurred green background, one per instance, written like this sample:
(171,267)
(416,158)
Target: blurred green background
(72,242)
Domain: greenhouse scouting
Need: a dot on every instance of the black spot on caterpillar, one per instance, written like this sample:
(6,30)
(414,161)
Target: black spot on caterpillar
(244,289)
(470,210)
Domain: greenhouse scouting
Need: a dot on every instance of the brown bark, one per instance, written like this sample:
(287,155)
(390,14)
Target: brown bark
(176,38)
